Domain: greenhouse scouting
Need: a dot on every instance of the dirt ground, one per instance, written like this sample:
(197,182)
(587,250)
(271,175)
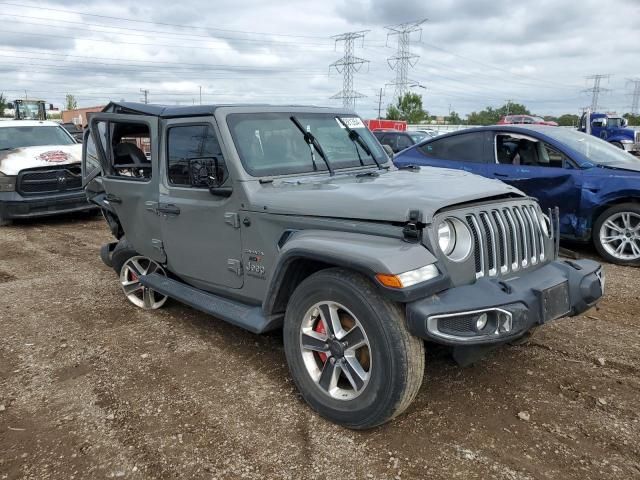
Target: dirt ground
(92,387)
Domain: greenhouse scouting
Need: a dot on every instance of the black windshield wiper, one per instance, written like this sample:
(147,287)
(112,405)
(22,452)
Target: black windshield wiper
(356,138)
(7,148)
(313,145)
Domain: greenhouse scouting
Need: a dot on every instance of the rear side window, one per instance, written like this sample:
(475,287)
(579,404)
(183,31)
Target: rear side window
(467,147)
(404,141)
(190,148)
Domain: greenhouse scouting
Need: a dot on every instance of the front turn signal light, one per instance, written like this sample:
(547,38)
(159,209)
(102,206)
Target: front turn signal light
(408,279)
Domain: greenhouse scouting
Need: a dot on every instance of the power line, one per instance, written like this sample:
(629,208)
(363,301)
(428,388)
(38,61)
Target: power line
(596,89)
(136,20)
(403,58)
(348,65)
(635,96)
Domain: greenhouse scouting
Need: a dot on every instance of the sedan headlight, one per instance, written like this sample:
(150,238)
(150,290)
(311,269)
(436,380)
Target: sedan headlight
(7,183)
(454,239)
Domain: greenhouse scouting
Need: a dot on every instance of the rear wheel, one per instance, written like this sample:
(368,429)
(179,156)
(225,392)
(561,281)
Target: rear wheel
(617,144)
(349,351)
(136,293)
(616,234)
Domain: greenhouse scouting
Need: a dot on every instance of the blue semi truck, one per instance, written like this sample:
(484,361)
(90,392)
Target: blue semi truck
(612,128)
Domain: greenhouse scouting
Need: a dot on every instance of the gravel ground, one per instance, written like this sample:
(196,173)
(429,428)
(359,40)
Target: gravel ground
(91,387)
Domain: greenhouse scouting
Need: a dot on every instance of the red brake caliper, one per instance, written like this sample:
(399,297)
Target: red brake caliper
(320,329)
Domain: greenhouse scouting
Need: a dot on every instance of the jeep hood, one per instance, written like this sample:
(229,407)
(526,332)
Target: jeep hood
(17,159)
(388,197)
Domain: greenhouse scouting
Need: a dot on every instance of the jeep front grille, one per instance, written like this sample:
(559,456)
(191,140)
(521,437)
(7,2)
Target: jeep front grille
(507,239)
(46,181)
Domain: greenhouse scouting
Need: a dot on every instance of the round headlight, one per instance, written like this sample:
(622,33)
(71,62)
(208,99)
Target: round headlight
(454,239)
(446,237)
(481,322)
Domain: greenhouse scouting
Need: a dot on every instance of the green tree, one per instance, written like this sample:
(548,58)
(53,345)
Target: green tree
(632,119)
(70,102)
(568,120)
(490,115)
(408,108)
(454,119)
(3,104)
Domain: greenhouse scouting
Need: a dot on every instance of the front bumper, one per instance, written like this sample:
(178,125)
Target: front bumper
(631,147)
(15,206)
(511,307)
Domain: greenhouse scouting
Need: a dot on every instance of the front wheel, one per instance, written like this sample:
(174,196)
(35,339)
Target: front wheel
(349,351)
(616,234)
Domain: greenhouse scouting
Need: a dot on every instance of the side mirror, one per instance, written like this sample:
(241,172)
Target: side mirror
(209,173)
(388,150)
(625,122)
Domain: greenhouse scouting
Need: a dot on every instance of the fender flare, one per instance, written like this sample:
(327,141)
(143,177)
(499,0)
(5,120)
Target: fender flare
(364,253)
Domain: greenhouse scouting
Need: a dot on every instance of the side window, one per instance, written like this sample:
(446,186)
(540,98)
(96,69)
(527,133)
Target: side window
(404,141)
(468,147)
(130,149)
(517,150)
(193,151)
(91,160)
(389,139)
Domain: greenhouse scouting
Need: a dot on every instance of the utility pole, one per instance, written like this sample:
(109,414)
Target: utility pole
(508,106)
(635,96)
(596,89)
(380,105)
(145,92)
(200,94)
(347,66)
(403,59)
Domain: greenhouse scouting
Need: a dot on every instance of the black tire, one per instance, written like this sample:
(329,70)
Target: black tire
(633,208)
(397,358)
(617,144)
(123,252)
(4,222)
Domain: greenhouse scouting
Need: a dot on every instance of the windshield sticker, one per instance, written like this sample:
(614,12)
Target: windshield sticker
(351,122)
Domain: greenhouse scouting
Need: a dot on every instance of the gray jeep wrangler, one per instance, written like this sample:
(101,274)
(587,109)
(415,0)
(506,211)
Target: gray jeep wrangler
(294,218)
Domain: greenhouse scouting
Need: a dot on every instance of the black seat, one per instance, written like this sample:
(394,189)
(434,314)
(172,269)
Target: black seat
(129,154)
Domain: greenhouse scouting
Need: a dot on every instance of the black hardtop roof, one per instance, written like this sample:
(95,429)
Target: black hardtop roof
(173,111)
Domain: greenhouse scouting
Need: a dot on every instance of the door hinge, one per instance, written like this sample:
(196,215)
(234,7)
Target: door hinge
(234,265)
(151,207)
(232,219)
(158,245)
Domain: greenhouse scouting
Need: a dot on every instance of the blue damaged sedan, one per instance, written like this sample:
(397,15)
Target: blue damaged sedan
(595,185)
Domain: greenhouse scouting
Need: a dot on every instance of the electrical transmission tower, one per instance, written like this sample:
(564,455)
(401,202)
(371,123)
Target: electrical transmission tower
(348,65)
(635,96)
(596,89)
(403,59)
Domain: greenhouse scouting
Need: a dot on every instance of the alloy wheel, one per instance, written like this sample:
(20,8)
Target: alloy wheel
(335,350)
(138,294)
(620,236)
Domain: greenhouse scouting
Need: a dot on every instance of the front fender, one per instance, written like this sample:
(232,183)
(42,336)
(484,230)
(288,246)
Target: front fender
(367,254)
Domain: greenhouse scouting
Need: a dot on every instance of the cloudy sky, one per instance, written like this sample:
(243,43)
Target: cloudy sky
(472,53)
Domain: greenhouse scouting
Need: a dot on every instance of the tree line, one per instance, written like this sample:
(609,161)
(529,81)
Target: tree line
(410,109)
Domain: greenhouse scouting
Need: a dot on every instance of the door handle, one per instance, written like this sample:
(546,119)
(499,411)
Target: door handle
(168,209)
(112,198)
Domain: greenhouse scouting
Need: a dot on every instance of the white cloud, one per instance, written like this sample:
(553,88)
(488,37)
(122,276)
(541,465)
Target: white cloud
(474,53)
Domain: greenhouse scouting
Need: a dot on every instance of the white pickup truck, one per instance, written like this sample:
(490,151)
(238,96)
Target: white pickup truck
(40,171)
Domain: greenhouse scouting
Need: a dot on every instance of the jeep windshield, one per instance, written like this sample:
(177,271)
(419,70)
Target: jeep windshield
(35,136)
(598,151)
(270,144)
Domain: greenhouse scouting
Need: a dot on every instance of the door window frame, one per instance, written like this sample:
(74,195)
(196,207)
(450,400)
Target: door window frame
(106,156)
(165,126)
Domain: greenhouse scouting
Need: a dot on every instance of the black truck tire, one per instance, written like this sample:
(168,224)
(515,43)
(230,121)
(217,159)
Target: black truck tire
(120,254)
(395,359)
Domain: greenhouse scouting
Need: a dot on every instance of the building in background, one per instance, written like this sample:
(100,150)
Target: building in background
(79,115)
